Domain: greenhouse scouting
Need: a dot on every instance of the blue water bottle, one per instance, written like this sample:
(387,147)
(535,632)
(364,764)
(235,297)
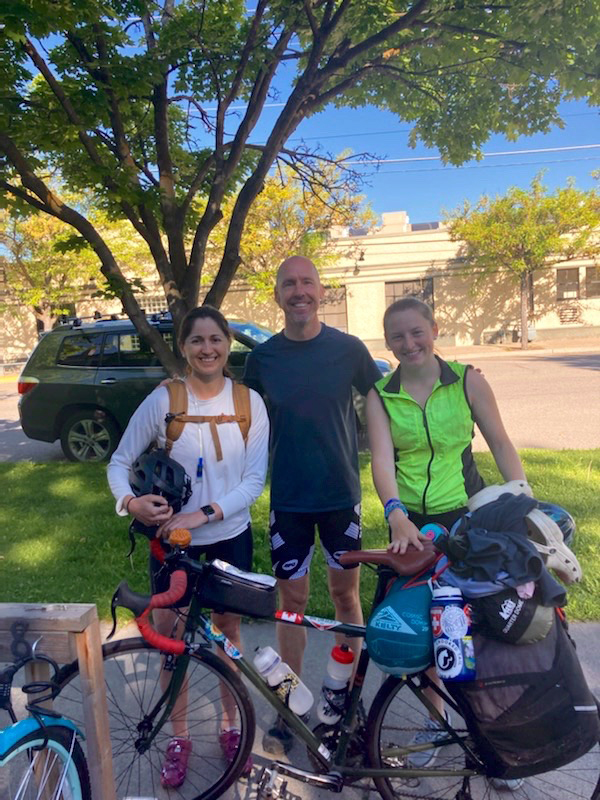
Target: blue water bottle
(452,640)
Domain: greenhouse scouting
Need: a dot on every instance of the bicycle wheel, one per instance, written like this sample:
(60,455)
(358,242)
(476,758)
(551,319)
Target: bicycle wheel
(47,765)
(133,672)
(397,716)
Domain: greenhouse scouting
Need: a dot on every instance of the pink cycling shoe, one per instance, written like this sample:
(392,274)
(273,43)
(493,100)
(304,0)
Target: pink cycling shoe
(174,769)
(230,742)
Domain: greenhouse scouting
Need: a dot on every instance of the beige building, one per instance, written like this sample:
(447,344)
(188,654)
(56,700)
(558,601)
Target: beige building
(399,258)
(393,260)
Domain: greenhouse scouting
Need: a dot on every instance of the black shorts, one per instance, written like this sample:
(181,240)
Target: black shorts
(447,519)
(236,551)
(293,539)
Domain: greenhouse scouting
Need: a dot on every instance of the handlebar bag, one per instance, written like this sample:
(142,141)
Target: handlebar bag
(224,587)
(529,708)
(398,637)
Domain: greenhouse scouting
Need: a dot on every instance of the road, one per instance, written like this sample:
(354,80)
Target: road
(547,401)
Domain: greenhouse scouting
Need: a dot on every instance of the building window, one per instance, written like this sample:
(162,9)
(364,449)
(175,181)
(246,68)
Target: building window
(152,304)
(592,281)
(567,284)
(333,310)
(422,288)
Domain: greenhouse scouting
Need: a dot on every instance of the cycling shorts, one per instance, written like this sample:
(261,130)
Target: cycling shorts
(293,539)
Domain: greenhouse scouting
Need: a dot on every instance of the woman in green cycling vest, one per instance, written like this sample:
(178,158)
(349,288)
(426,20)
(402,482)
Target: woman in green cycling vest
(421,423)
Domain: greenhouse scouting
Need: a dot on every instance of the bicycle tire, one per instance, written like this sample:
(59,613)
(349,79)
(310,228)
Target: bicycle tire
(396,715)
(25,772)
(132,671)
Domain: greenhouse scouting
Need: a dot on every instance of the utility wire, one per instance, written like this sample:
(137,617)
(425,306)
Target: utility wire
(412,159)
(483,166)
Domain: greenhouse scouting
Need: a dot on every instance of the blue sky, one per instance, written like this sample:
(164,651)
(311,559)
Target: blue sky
(425,188)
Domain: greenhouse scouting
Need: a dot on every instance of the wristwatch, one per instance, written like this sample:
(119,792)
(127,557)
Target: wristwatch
(209,511)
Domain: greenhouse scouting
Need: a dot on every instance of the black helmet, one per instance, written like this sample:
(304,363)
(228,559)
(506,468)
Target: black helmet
(158,473)
(561,516)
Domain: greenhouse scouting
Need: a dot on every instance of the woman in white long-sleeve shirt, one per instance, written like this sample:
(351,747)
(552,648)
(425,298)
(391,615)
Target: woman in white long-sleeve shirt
(218,512)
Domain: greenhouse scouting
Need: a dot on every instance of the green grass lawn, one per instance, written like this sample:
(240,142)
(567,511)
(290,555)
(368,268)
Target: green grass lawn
(60,540)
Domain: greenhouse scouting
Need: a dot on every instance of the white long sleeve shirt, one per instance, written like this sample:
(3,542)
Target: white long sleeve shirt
(234,483)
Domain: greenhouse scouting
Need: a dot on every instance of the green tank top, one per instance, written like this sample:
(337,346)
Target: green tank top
(435,470)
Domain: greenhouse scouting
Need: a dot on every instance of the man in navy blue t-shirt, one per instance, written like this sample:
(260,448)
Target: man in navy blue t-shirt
(306,373)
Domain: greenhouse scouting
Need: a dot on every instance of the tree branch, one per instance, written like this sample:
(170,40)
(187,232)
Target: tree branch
(109,267)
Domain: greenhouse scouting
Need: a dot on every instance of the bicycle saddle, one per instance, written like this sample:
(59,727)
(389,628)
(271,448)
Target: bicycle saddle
(409,563)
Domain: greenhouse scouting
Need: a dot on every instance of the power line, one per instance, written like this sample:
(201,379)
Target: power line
(412,159)
(484,166)
(399,130)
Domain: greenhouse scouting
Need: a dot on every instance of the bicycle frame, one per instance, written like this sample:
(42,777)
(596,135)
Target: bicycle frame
(198,622)
(18,730)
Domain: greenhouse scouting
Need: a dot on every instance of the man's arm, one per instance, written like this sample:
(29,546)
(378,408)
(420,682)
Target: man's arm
(251,375)
(366,373)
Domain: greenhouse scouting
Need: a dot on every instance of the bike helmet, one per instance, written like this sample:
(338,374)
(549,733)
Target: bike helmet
(561,516)
(158,473)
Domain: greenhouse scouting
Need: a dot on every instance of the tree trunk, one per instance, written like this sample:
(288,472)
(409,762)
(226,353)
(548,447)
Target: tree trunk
(524,310)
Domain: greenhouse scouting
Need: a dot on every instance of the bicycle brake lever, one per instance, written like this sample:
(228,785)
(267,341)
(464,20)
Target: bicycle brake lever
(127,598)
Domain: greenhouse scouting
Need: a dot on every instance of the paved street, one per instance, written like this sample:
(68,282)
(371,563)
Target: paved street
(547,400)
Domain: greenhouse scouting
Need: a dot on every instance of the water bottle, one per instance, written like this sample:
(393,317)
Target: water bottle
(452,640)
(283,680)
(335,685)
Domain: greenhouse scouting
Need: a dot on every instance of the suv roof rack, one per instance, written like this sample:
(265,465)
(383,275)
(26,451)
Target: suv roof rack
(97,317)
(77,322)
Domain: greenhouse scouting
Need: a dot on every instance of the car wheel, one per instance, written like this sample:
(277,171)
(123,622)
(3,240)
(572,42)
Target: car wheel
(89,436)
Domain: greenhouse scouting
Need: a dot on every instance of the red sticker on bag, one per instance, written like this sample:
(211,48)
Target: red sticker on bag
(436,620)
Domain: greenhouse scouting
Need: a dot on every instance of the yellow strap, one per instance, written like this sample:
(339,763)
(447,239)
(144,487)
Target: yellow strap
(178,409)
(178,403)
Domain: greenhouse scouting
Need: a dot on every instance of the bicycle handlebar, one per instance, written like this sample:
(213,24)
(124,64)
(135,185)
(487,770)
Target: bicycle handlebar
(141,605)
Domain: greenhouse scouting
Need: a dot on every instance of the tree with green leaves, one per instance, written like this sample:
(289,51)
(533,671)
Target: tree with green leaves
(47,272)
(286,219)
(153,105)
(525,231)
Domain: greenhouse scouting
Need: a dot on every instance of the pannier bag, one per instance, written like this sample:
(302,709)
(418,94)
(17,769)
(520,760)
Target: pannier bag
(224,587)
(399,629)
(529,707)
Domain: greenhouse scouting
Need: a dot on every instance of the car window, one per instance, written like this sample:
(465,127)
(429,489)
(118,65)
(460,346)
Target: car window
(253,331)
(128,349)
(239,347)
(80,350)
(46,351)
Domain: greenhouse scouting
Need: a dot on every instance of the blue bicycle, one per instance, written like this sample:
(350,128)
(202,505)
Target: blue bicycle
(40,757)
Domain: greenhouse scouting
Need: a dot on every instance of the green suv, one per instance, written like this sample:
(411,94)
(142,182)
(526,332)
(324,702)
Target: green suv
(84,380)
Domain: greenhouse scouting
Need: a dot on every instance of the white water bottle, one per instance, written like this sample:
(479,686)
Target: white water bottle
(335,685)
(283,680)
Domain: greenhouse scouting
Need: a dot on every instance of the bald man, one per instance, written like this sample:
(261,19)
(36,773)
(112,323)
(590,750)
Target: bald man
(306,373)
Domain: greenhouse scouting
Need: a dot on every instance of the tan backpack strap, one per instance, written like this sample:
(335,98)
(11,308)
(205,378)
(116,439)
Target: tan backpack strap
(213,421)
(215,437)
(242,408)
(178,416)
(178,404)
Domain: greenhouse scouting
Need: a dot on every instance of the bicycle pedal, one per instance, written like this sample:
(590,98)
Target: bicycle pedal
(272,786)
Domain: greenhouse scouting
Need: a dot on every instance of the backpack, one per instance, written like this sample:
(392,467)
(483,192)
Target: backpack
(178,416)
(529,708)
